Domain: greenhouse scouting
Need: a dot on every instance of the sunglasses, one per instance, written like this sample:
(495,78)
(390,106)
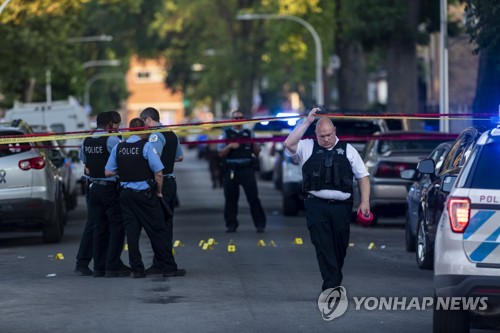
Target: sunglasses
(238,117)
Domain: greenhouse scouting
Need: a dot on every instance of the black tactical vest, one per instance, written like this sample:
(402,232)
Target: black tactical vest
(96,155)
(245,150)
(328,169)
(169,150)
(132,166)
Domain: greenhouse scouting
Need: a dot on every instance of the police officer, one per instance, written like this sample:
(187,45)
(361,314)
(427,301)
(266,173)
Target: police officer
(103,203)
(116,120)
(139,168)
(239,170)
(328,167)
(86,248)
(169,149)
(103,236)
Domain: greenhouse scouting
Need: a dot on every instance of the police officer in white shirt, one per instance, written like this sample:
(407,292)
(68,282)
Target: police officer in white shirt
(328,168)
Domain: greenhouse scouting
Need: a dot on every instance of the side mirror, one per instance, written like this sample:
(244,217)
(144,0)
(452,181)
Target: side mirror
(56,157)
(426,166)
(410,174)
(447,183)
(73,155)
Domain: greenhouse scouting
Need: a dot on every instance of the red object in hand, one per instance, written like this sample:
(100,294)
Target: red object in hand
(365,220)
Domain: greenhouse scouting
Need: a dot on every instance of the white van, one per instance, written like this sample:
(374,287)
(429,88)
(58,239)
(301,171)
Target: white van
(61,117)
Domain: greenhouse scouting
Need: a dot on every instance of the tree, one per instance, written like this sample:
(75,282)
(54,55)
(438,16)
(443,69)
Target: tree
(238,55)
(33,36)
(484,29)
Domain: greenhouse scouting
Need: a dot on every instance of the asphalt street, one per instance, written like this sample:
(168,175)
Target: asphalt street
(256,288)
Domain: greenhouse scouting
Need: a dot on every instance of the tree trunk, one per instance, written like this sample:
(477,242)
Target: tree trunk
(487,88)
(402,77)
(28,90)
(352,76)
(245,84)
(402,72)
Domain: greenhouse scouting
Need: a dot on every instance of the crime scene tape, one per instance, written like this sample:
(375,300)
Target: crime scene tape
(276,139)
(180,128)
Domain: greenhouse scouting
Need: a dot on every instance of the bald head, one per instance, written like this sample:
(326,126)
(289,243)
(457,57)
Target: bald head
(326,133)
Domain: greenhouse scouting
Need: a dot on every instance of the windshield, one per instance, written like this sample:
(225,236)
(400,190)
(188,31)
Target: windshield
(273,126)
(348,128)
(385,146)
(12,148)
(486,174)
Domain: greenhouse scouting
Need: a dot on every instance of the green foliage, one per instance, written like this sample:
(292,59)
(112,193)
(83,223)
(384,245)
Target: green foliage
(33,38)
(483,25)
(277,54)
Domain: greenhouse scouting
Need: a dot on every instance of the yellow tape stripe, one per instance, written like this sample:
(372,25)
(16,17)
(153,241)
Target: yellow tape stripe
(181,129)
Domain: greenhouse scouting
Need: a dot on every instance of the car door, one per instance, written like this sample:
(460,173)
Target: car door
(455,159)
(15,177)
(481,181)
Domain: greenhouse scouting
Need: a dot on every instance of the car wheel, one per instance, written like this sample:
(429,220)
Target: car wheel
(423,249)
(452,321)
(52,233)
(290,206)
(266,175)
(63,212)
(74,200)
(409,237)
(278,179)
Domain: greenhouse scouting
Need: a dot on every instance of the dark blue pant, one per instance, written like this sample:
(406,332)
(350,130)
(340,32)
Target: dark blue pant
(86,248)
(140,211)
(329,228)
(169,191)
(244,177)
(109,234)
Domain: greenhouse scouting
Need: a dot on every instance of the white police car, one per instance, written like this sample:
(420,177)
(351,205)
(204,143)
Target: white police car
(467,251)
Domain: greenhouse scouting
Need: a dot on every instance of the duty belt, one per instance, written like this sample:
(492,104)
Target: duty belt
(330,201)
(109,183)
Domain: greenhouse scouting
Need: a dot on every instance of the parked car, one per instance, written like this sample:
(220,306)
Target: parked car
(31,189)
(417,190)
(65,166)
(268,153)
(385,156)
(292,194)
(467,259)
(433,200)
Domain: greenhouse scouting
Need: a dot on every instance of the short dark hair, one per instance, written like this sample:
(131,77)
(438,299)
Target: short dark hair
(103,119)
(151,113)
(135,123)
(237,110)
(115,117)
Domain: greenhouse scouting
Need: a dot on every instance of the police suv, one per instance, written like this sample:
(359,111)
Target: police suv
(467,251)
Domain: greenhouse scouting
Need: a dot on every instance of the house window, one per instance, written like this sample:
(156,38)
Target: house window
(143,75)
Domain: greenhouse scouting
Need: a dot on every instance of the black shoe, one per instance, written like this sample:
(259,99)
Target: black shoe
(260,230)
(99,274)
(153,271)
(120,273)
(139,275)
(178,272)
(83,271)
(231,230)
(126,268)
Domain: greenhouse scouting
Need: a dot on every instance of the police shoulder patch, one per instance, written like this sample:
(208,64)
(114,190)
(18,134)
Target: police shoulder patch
(153,138)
